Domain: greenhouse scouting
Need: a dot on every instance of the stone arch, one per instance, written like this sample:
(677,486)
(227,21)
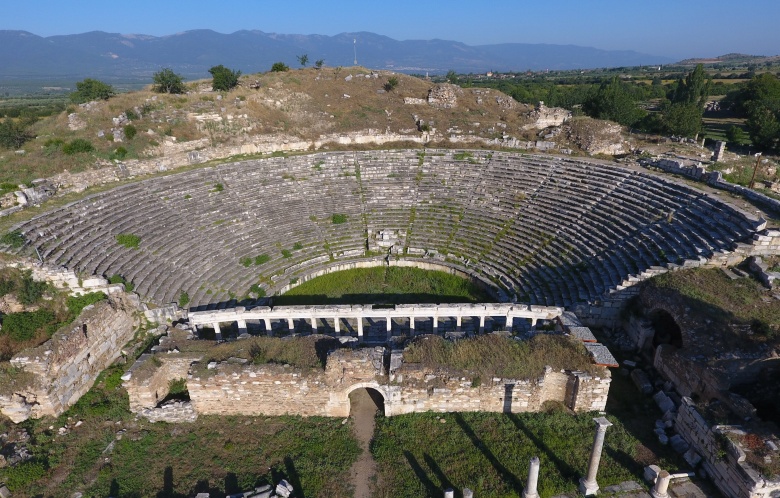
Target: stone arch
(377,392)
(666,329)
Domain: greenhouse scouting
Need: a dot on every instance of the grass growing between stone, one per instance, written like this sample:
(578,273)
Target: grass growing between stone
(113,454)
(386,285)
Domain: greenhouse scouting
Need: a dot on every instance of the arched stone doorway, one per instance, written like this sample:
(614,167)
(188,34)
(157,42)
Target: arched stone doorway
(365,400)
(666,329)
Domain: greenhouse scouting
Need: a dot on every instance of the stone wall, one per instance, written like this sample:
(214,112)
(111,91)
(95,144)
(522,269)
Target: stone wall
(722,459)
(152,375)
(236,389)
(66,366)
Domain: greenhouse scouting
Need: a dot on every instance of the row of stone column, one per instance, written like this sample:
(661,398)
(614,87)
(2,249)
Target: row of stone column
(242,326)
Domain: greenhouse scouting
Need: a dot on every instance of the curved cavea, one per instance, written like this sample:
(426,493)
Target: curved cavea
(539,229)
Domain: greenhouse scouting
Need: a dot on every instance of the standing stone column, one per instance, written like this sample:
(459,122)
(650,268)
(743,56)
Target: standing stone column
(467,493)
(337,325)
(482,324)
(241,326)
(291,325)
(313,325)
(360,328)
(449,493)
(435,324)
(533,479)
(588,484)
(661,485)
(389,328)
(217,332)
(268,330)
(458,323)
(411,326)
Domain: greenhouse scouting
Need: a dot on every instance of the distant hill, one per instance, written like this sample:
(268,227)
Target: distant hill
(731,58)
(120,57)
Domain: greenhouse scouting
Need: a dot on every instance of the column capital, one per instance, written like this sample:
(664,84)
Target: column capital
(602,423)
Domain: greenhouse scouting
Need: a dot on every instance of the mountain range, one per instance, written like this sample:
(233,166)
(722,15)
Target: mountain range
(123,57)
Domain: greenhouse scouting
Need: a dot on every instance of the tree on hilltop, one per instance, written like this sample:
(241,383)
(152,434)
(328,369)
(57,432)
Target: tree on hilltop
(279,67)
(319,63)
(166,81)
(613,101)
(91,89)
(303,59)
(224,79)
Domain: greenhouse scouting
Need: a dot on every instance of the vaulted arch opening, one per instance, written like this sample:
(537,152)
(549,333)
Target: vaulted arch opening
(667,331)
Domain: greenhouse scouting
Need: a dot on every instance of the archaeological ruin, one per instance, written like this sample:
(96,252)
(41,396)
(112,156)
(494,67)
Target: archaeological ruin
(560,243)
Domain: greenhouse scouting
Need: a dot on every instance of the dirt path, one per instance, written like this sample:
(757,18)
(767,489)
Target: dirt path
(363,471)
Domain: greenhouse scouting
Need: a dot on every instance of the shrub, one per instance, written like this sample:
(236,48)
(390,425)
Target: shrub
(14,239)
(22,326)
(14,134)
(130,131)
(218,187)
(245,261)
(119,153)
(131,114)
(128,240)
(297,246)
(22,476)
(119,279)
(91,89)
(286,253)
(184,299)
(279,67)
(177,387)
(31,291)
(338,219)
(257,290)
(392,82)
(76,146)
(166,81)
(76,304)
(223,79)
(263,258)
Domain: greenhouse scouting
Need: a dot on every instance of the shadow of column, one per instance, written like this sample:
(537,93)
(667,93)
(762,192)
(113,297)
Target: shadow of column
(430,487)
(477,442)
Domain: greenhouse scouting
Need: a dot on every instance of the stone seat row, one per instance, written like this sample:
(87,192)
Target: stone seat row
(559,231)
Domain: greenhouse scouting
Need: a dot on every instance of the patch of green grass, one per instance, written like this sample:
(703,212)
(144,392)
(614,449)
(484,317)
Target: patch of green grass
(394,285)
(184,299)
(128,240)
(418,455)
(13,239)
(262,259)
(297,246)
(711,295)
(119,279)
(245,261)
(76,304)
(461,156)
(286,253)
(338,219)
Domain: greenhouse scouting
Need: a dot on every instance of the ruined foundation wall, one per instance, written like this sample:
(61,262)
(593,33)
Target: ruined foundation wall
(274,390)
(722,460)
(151,387)
(66,366)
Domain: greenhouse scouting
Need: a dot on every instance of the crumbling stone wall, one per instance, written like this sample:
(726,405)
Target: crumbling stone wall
(723,460)
(236,389)
(152,375)
(66,366)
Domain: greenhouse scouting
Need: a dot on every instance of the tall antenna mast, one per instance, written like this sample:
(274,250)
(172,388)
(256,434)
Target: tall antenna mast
(354,48)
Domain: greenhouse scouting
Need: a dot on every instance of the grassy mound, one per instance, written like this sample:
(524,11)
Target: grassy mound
(488,356)
(384,285)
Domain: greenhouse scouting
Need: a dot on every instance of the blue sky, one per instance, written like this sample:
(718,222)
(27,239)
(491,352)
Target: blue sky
(674,28)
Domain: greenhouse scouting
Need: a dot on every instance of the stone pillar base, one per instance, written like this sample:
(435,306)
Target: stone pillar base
(588,488)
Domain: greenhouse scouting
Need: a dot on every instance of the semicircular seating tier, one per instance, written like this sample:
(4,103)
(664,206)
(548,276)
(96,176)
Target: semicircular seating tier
(543,230)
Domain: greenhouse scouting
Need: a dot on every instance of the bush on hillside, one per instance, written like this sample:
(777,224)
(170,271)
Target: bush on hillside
(166,81)
(91,89)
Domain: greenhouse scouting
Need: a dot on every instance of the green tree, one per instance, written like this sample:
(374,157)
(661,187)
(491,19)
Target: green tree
(737,135)
(682,116)
(90,89)
(682,119)
(319,63)
(452,77)
(303,59)
(224,79)
(759,102)
(392,82)
(614,102)
(14,134)
(279,67)
(166,81)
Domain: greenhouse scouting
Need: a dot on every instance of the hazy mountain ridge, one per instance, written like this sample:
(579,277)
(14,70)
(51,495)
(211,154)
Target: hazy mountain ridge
(115,56)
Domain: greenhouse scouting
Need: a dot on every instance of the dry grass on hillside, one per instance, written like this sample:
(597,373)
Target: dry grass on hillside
(304,103)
